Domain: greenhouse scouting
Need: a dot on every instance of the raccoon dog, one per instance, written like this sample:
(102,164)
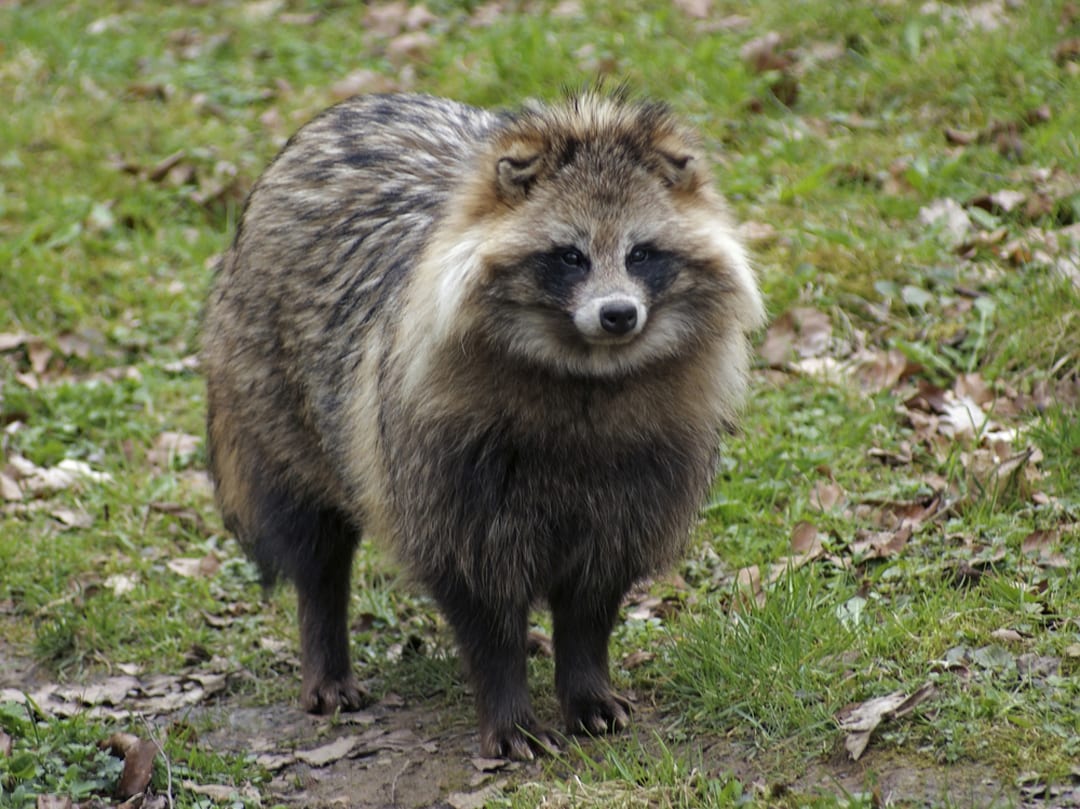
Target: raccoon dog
(505,343)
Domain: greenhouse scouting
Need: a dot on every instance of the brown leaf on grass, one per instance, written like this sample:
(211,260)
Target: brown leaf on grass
(1009,635)
(409,46)
(973,386)
(826,495)
(729,22)
(757,234)
(385,20)
(117,697)
(698,9)
(9,488)
(361,81)
(877,371)
(9,341)
(806,542)
(53,802)
(169,445)
(225,793)
(72,518)
(567,10)
(801,332)
(203,568)
(1038,542)
(764,53)
(82,344)
(1000,202)
(879,544)
(959,137)
(994,469)
(1068,50)
(949,217)
(861,719)
(806,539)
(184,514)
(138,755)
(899,457)
(6,743)
(635,659)
(43,481)
(1044,545)
(538,644)
(748,582)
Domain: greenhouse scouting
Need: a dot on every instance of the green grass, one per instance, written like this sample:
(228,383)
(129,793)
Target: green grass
(104,264)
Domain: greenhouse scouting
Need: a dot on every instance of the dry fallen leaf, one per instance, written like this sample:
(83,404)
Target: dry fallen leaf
(635,659)
(169,445)
(41,480)
(121,584)
(826,495)
(53,802)
(474,800)
(880,544)
(9,488)
(138,768)
(763,53)
(801,332)
(190,568)
(72,518)
(328,753)
(805,539)
(948,216)
(10,341)
(361,81)
(860,720)
(698,9)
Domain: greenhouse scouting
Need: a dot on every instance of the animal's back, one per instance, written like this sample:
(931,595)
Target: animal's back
(328,237)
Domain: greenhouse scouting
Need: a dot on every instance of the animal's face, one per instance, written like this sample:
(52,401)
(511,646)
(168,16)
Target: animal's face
(588,242)
(600,271)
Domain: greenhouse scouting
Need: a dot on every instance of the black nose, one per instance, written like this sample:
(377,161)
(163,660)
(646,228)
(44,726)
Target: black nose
(618,318)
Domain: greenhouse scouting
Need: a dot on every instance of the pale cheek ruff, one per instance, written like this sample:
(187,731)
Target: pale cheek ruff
(434,315)
(711,230)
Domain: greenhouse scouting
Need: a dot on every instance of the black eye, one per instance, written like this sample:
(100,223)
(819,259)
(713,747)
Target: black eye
(638,255)
(572,258)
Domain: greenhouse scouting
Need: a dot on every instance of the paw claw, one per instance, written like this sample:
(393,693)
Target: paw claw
(329,696)
(596,715)
(520,742)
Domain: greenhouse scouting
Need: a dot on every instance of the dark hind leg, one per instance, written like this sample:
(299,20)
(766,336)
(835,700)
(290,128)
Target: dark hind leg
(492,638)
(322,585)
(290,535)
(314,548)
(583,623)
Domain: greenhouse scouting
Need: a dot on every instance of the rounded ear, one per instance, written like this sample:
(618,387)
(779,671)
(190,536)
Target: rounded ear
(678,171)
(515,175)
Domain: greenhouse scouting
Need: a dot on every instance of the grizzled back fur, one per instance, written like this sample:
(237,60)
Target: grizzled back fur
(504,343)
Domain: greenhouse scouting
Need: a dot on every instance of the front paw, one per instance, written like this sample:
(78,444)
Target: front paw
(330,695)
(597,713)
(521,741)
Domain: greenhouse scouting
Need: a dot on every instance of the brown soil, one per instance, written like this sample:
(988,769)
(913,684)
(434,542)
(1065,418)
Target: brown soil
(424,753)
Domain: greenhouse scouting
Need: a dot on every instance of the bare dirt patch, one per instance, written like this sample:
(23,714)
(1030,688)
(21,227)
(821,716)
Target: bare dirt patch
(424,753)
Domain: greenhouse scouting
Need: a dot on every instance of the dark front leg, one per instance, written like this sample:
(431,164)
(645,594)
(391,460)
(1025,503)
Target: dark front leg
(322,585)
(492,638)
(583,623)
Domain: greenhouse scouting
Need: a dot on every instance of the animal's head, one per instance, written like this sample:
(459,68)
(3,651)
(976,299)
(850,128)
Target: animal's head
(590,242)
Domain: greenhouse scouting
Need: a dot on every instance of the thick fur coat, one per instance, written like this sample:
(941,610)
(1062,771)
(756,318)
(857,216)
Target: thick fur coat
(505,344)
